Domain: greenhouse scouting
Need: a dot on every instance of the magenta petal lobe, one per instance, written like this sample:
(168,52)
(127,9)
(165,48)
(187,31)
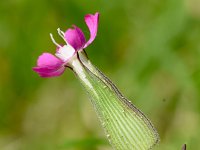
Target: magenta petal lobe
(45,72)
(92,22)
(75,38)
(49,66)
(47,59)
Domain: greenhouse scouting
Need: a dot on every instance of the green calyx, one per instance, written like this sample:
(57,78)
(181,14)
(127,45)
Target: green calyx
(126,127)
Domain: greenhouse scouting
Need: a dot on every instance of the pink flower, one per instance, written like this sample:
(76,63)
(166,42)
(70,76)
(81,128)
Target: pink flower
(49,65)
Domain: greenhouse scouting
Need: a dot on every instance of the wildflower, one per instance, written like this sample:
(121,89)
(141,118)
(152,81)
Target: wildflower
(125,125)
(49,65)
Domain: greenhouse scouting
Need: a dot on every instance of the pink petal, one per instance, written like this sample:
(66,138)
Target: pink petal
(49,66)
(75,38)
(47,59)
(92,23)
(49,73)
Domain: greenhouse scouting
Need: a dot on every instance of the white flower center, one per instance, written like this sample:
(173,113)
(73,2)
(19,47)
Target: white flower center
(65,52)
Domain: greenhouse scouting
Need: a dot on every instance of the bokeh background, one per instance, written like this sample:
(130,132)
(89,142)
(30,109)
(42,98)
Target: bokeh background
(150,49)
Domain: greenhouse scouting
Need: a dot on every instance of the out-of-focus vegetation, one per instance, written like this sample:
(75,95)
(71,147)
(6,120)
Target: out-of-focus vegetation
(150,49)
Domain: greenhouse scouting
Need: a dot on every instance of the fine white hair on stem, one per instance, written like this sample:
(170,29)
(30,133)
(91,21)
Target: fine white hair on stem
(62,34)
(51,35)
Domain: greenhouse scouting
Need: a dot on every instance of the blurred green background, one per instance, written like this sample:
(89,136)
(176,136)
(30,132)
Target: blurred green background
(150,49)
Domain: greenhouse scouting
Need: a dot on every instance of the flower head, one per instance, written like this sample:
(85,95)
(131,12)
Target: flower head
(49,65)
